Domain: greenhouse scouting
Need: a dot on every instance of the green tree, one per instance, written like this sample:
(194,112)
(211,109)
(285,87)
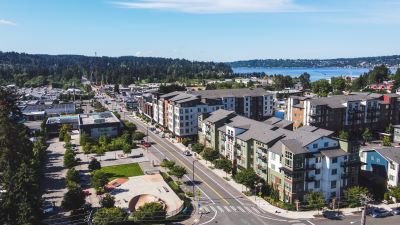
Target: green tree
(126,149)
(84,139)
(338,84)
(108,216)
(64,129)
(389,129)
(378,74)
(315,200)
(94,164)
(69,159)
(197,147)
(366,135)
(138,135)
(321,87)
(395,192)
(72,176)
(129,126)
(74,198)
(343,135)
(100,150)
(355,194)
(386,141)
(178,171)
(167,163)
(210,154)
(103,140)
(99,179)
(305,80)
(117,115)
(186,141)
(152,212)
(247,177)
(107,201)
(224,164)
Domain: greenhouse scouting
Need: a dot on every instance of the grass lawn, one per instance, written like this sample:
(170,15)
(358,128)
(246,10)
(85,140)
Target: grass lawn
(122,171)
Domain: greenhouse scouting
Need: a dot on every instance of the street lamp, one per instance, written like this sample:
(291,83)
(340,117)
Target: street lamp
(195,160)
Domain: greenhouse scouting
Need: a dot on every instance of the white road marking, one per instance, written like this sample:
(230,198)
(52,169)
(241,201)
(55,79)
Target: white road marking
(248,209)
(240,208)
(213,218)
(294,221)
(220,208)
(213,208)
(227,208)
(255,210)
(310,222)
(233,208)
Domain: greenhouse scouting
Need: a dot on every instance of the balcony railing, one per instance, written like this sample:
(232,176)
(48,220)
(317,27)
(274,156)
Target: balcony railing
(310,178)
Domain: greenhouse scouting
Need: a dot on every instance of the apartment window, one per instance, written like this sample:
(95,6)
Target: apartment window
(318,160)
(186,117)
(315,145)
(187,130)
(334,171)
(392,165)
(186,110)
(326,144)
(181,117)
(391,177)
(333,184)
(334,160)
(187,124)
(273,156)
(317,171)
(273,166)
(333,194)
(372,158)
(198,109)
(317,184)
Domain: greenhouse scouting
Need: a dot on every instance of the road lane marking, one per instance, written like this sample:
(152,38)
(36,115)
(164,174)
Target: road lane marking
(227,208)
(310,222)
(220,208)
(233,208)
(213,218)
(240,208)
(255,210)
(211,207)
(248,209)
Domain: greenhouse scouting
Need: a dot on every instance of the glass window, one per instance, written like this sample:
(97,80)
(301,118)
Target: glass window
(334,171)
(317,171)
(326,144)
(317,184)
(334,160)
(315,145)
(333,184)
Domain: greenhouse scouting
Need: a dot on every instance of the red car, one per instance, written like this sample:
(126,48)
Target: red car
(146,144)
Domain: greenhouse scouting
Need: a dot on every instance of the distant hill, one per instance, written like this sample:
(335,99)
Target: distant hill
(367,62)
(34,70)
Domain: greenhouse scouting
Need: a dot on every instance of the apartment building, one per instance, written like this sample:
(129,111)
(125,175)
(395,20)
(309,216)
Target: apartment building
(293,162)
(381,166)
(178,111)
(352,112)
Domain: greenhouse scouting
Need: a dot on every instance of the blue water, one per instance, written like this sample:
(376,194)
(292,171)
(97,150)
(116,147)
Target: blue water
(316,73)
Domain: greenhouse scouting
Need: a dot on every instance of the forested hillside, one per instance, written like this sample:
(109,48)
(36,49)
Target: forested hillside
(367,62)
(33,70)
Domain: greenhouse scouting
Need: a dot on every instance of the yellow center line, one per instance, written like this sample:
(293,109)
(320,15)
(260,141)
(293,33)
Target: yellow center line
(190,170)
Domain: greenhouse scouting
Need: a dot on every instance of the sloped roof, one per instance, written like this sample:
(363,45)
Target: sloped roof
(392,153)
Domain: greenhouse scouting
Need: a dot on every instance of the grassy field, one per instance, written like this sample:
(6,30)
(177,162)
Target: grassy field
(122,171)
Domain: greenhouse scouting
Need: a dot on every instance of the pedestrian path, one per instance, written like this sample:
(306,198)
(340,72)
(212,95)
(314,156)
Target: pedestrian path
(231,209)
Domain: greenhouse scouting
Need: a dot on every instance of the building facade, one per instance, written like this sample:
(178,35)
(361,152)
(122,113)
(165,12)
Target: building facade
(178,111)
(96,125)
(353,112)
(292,162)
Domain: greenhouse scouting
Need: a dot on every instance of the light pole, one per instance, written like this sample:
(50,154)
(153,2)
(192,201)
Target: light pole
(195,160)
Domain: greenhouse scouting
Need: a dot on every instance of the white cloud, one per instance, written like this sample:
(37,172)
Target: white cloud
(216,6)
(7,22)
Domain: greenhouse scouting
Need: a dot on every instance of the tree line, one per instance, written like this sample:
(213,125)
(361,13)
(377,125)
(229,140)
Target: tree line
(38,70)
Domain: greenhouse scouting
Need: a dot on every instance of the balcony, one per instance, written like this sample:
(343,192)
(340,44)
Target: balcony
(310,178)
(263,158)
(310,167)
(345,176)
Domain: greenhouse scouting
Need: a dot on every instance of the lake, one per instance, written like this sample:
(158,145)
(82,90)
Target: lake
(316,73)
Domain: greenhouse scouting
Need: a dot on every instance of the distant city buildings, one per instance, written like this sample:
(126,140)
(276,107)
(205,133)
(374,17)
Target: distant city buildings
(292,162)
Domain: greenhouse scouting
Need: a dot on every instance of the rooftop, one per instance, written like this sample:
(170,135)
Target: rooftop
(53,108)
(218,115)
(104,117)
(392,153)
(239,92)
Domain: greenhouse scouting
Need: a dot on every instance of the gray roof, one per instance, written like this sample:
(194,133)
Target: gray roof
(392,153)
(337,101)
(272,120)
(50,109)
(331,153)
(307,128)
(316,130)
(283,123)
(218,115)
(294,146)
(239,92)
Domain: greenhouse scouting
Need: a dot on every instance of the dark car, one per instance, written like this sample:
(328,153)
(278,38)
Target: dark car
(187,153)
(396,211)
(333,215)
(380,213)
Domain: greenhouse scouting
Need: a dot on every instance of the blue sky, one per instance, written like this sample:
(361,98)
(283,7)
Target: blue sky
(210,30)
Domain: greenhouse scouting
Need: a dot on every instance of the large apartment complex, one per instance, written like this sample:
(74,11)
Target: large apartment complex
(352,112)
(178,111)
(293,162)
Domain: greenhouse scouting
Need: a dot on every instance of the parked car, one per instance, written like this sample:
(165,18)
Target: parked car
(47,208)
(380,213)
(333,215)
(73,145)
(146,145)
(187,153)
(396,211)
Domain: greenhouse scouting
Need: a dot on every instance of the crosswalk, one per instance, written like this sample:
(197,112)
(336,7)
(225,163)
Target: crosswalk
(231,209)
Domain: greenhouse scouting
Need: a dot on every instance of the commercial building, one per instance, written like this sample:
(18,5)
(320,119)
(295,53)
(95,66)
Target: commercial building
(53,124)
(96,125)
(292,162)
(178,111)
(381,166)
(41,111)
(145,105)
(352,112)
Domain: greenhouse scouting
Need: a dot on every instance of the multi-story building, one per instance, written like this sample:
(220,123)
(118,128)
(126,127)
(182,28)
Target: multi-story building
(178,111)
(381,166)
(96,125)
(293,162)
(352,112)
(145,105)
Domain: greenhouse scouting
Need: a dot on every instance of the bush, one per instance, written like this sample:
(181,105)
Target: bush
(167,163)
(72,176)
(197,147)
(107,201)
(186,141)
(69,159)
(74,198)
(189,194)
(99,179)
(94,164)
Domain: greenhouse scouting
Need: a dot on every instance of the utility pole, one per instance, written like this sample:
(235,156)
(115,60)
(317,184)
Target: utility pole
(364,200)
